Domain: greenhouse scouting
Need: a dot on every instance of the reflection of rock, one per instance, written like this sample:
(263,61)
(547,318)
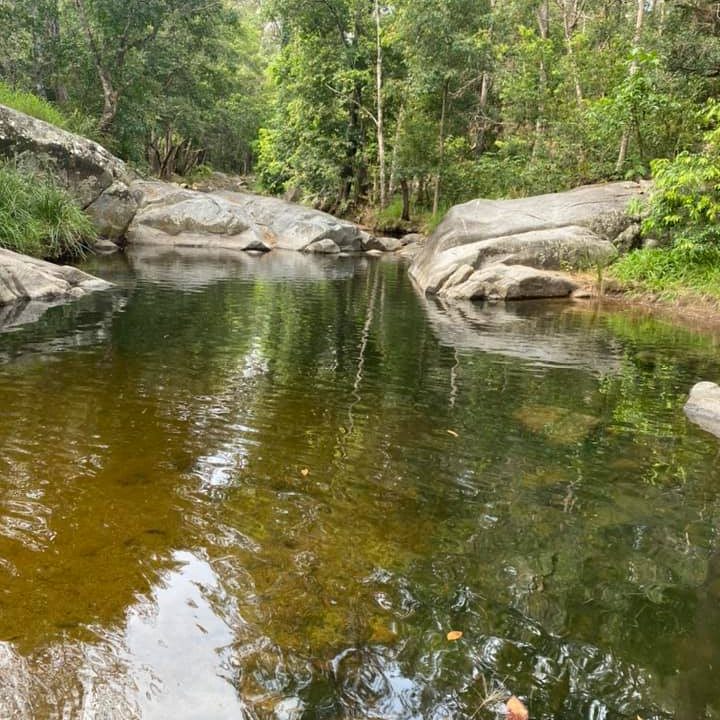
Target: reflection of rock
(529,331)
(196,267)
(703,407)
(549,232)
(23,313)
(24,279)
(559,425)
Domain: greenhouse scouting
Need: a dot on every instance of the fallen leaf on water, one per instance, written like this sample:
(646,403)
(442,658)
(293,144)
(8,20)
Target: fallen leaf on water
(454,635)
(304,472)
(453,433)
(516,710)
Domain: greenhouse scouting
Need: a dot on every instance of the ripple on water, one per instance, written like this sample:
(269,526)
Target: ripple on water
(268,488)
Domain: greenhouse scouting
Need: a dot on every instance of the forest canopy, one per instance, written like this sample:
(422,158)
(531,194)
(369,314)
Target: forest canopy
(406,106)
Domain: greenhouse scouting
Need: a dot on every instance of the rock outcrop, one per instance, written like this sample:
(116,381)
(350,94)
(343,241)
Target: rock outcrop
(513,249)
(173,216)
(703,407)
(85,168)
(26,278)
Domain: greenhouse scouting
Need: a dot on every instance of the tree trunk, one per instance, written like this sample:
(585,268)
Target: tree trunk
(441,148)
(543,17)
(482,111)
(110,101)
(405,200)
(380,109)
(110,94)
(396,146)
(571,14)
(637,38)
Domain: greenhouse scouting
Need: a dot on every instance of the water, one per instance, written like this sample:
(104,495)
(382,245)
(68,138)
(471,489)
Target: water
(269,487)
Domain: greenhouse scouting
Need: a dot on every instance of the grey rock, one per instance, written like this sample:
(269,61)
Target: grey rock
(548,232)
(629,239)
(173,216)
(506,282)
(26,278)
(326,246)
(703,407)
(169,215)
(414,238)
(105,247)
(383,244)
(113,211)
(609,225)
(85,168)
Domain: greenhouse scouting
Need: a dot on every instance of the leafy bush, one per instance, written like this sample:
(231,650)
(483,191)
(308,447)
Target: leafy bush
(39,218)
(685,204)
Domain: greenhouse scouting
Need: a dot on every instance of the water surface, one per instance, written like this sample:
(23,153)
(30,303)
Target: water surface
(268,487)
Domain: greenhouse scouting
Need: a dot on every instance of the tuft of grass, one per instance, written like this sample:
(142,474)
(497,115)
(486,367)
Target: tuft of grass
(32,105)
(670,272)
(39,218)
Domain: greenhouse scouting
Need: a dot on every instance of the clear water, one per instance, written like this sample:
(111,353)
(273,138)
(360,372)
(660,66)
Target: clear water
(269,487)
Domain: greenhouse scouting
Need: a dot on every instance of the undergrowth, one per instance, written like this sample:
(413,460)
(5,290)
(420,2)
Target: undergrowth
(672,271)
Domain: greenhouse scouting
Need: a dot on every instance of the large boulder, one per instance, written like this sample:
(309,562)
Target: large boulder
(26,278)
(85,168)
(703,407)
(554,232)
(173,216)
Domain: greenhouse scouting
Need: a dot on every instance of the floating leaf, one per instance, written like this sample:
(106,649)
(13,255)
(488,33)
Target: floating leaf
(516,710)
(453,433)
(304,472)
(454,635)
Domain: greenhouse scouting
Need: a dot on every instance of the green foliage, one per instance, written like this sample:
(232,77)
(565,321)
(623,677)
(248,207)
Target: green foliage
(39,218)
(685,204)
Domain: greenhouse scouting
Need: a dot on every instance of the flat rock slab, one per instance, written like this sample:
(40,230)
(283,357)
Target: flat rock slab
(24,278)
(552,232)
(173,216)
(703,407)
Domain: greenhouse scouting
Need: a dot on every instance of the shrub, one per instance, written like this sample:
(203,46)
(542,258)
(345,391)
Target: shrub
(39,218)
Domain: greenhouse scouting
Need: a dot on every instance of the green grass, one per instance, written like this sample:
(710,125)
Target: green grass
(39,218)
(32,105)
(671,272)
(37,107)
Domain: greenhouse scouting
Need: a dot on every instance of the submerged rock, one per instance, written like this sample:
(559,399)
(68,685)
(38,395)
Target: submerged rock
(26,278)
(703,407)
(559,425)
(550,233)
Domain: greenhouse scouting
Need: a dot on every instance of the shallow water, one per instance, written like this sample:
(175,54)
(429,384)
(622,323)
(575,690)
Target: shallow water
(269,487)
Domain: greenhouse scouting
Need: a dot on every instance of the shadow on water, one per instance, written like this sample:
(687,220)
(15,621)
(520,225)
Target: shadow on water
(268,487)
